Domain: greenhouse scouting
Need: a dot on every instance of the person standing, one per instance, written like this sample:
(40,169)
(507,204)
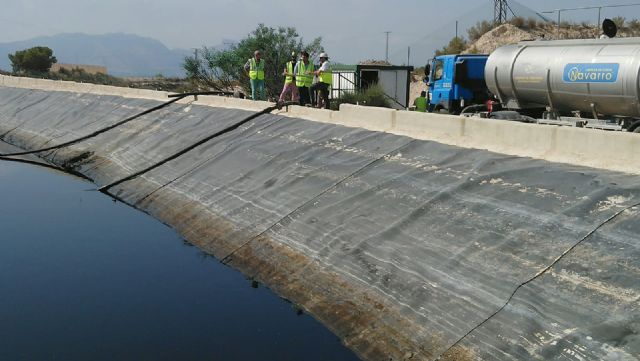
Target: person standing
(325,79)
(290,83)
(255,68)
(304,77)
(421,102)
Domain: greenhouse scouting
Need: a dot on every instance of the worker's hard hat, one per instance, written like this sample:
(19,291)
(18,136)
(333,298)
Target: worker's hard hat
(324,55)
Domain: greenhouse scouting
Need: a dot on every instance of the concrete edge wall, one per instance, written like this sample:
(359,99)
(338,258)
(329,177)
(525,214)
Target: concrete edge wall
(616,151)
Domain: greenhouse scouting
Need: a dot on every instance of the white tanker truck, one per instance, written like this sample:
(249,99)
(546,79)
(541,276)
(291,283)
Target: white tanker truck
(588,83)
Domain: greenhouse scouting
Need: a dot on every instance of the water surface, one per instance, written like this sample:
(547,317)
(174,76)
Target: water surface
(85,278)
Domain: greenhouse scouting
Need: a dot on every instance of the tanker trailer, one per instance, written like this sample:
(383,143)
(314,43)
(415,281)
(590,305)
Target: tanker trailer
(593,83)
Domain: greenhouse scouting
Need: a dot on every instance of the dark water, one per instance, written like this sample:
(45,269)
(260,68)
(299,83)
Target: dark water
(84,278)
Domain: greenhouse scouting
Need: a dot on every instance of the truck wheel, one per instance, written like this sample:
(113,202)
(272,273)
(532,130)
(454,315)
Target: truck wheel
(635,127)
(637,130)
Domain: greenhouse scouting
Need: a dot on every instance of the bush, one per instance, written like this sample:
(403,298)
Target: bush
(619,21)
(474,50)
(81,76)
(634,26)
(532,23)
(481,28)
(518,22)
(373,96)
(455,46)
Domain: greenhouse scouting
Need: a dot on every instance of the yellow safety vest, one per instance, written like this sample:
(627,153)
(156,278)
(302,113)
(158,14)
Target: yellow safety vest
(289,78)
(302,78)
(327,76)
(421,104)
(256,71)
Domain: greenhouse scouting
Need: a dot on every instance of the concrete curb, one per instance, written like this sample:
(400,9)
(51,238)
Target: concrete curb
(585,147)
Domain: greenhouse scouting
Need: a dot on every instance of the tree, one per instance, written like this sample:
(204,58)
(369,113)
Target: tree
(223,69)
(456,46)
(619,21)
(38,59)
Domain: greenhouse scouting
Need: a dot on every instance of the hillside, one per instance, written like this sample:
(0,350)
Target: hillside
(502,35)
(519,30)
(122,54)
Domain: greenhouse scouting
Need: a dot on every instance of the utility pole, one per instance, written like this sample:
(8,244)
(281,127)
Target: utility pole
(558,31)
(195,53)
(386,56)
(456,29)
(598,24)
(408,55)
(559,11)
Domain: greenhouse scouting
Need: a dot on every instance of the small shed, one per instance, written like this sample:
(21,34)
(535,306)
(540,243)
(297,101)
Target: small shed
(394,80)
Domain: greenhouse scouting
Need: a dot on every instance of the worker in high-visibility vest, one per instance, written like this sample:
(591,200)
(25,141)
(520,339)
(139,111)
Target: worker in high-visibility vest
(325,79)
(290,85)
(255,68)
(421,102)
(304,77)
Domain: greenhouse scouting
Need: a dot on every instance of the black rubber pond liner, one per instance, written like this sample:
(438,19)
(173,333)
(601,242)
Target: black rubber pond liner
(226,258)
(99,131)
(445,355)
(232,127)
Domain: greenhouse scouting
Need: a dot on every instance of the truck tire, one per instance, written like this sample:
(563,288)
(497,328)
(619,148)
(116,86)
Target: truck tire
(635,127)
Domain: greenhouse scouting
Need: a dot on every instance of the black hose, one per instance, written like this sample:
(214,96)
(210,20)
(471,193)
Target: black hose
(100,131)
(104,189)
(182,95)
(45,165)
(474,107)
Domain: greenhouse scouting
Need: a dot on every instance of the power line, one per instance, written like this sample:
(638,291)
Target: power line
(559,11)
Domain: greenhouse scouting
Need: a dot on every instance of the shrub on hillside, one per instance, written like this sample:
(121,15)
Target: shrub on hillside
(473,50)
(518,22)
(532,23)
(81,76)
(481,28)
(634,25)
(456,46)
(619,21)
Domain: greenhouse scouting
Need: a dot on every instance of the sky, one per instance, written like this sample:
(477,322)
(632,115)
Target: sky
(352,30)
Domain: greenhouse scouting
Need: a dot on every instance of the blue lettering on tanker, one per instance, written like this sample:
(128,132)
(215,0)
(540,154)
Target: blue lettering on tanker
(591,73)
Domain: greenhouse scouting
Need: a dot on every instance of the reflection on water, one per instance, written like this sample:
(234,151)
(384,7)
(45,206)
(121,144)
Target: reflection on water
(84,278)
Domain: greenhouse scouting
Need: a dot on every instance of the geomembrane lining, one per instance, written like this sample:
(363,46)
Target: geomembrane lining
(429,240)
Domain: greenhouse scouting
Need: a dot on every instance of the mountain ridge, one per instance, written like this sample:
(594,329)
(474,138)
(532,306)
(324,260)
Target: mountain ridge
(124,55)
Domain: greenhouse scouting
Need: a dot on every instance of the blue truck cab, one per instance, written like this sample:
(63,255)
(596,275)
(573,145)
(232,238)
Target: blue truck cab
(456,81)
